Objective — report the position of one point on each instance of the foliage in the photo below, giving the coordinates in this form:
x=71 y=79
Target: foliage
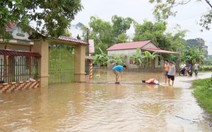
x=206 y=20
x=164 y=40
x=208 y=60
x=197 y=43
x=165 y=8
x=101 y=32
x=106 y=33
x=193 y=55
x=120 y=25
x=206 y=68
x=122 y=38
x=101 y=58
x=138 y=57
x=67 y=33
x=203 y=93
x=150 y=31
x=117 y=60
x=176 y=43
x=51 y=16
x=149 y=55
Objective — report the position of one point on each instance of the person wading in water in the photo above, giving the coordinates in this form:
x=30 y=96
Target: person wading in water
x=117 y=71
x=171 y=73
x=166 y=70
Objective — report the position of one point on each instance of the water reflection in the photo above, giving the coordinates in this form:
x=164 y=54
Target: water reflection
x=103 y=107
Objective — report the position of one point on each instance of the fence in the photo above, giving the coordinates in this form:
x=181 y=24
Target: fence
x=16 y=66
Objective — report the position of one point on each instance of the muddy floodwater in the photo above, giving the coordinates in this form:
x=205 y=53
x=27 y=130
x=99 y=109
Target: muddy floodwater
x=106 y=107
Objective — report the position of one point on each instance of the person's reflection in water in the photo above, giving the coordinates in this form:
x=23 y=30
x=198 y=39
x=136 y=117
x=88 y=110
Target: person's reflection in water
x=152 y=86
x=168 y=91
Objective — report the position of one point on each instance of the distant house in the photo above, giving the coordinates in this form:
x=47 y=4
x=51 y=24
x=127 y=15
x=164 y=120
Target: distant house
x=129 y=49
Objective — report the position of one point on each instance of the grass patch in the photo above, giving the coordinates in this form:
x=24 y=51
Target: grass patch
x=203 y=93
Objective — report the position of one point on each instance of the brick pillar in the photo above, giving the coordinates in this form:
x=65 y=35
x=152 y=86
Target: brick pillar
x=79 y=63
x=42 y=47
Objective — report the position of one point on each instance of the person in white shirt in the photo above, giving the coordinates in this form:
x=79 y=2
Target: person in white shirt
x=171 y=73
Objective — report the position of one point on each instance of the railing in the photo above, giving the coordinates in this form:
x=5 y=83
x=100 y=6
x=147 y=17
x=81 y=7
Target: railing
x=18 y=68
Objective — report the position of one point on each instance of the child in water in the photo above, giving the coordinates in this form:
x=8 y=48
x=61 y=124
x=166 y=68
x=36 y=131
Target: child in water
x=151 y=81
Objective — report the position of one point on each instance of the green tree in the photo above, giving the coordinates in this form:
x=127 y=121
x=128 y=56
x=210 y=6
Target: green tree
x=165 y=8
x=175 y=42
x=149 y=57
x=197 y=43
x=117 y=60
x=101 y=32
x=156 y=32
x=149 y=31
x=51 y=16
x=122 y=38
x=193 y=55
x=138 y=57
x=100 y=58
x=106 y=33
x=120 y=26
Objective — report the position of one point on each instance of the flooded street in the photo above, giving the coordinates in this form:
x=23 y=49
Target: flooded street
x=106 y=107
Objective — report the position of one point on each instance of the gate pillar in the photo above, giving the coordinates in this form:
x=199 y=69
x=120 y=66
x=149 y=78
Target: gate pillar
x=79 y=64
x=42 y=47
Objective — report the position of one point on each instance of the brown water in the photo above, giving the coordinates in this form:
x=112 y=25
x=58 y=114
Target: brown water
x=105 y=107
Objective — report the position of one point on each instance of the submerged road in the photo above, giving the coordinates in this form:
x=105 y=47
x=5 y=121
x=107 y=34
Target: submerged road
x=106 y=107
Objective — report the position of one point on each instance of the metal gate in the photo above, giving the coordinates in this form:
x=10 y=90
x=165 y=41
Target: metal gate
x=61 y=63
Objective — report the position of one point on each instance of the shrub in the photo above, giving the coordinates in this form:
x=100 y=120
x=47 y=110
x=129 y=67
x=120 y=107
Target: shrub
x=203 y=93
x=206 y=68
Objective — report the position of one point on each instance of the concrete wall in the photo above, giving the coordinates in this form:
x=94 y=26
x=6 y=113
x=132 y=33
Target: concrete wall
x=124 y=52
x=149 y=46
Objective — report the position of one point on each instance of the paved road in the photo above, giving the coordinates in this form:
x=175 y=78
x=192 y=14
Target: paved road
x=185 y=81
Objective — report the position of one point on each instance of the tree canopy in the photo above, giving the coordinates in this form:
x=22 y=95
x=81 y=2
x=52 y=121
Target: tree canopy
x=149 y=30
x=107 y=33
x=165 y=8
x=120 y=26
x=52 y=17
x=156 y=32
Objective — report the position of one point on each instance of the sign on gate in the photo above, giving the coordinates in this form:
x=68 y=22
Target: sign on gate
x=91 y=46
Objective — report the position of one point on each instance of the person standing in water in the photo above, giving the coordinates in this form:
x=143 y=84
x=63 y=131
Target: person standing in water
x=171 y=73
x=166 y=70
x=117 y=71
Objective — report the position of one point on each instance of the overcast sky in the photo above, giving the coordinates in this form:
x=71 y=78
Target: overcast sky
x=187 y=16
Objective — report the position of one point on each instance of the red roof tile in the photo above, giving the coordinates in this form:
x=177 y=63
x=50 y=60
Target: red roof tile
x=18 y=53
x=139 y=44
x=65 y=38
x=129 y=45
